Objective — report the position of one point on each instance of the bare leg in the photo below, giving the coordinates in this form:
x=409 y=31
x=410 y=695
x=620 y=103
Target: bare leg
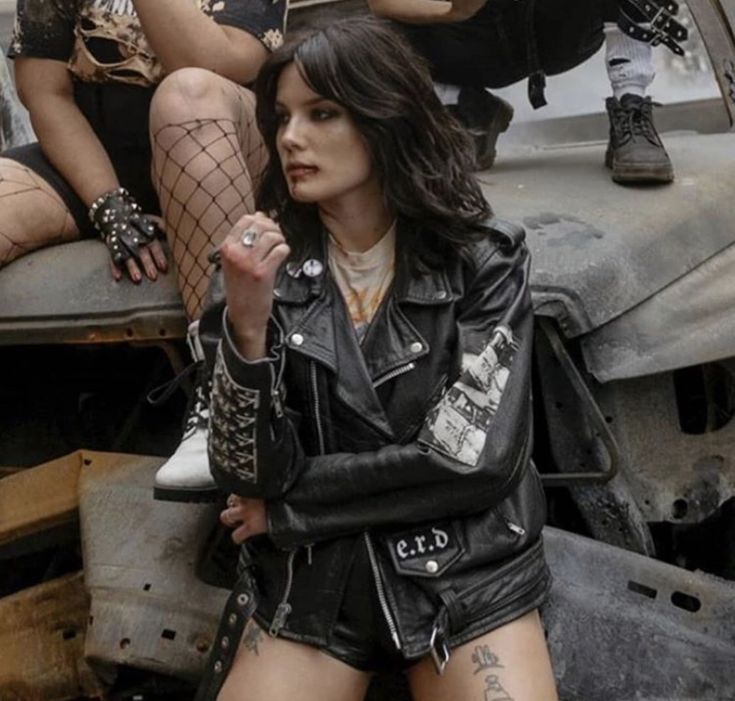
x=280 y=670
x=510 y=663
x=207 y=157
x=32 y=214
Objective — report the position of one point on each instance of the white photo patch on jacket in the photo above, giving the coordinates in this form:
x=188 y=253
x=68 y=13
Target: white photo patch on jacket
x=232 y=439
x=426 y=551
x=458 y=425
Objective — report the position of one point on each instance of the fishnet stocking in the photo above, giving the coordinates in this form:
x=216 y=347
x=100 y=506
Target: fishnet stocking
x=32 y=214
x=206 y=172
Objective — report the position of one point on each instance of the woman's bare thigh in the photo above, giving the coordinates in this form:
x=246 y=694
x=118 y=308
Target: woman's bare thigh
x=280 y=670
x=510 y=663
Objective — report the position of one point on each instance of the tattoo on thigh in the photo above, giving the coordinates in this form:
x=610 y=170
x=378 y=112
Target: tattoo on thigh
x=252 y=637
x=484 y=658
x=494 y=690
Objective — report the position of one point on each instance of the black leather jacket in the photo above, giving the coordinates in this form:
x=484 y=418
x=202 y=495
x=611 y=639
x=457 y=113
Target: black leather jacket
x=417 y=442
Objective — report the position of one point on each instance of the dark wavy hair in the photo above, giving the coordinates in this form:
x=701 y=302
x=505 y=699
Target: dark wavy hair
x=421 y=154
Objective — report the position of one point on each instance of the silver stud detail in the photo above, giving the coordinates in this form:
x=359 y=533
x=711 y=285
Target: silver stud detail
x=441 y=294
x=416 y=347
x=312 y=267
x=242 y=599
x=432 y=566
x=225 y=643
x=217 y=667
x=232 y=619
x=293 y=269
x=297 y=339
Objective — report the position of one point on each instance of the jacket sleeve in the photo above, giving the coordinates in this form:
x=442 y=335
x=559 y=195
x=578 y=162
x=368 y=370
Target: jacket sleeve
x=472 y=446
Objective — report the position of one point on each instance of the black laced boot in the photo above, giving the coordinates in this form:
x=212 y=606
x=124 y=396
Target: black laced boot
x=485 y=116
x=635 y=152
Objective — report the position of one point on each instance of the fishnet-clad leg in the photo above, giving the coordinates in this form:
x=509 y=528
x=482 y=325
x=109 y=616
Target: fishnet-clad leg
x=32 y=214
x=207 y=157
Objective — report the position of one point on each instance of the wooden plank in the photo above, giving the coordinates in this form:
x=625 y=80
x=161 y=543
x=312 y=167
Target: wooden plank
x=42 y=643
x=39 y=498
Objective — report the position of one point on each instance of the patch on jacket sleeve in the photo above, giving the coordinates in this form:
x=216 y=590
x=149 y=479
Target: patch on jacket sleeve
x=232 y=425
x=458 y=425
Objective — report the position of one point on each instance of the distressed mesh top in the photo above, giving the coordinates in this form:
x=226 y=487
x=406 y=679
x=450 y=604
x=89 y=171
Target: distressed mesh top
x=103 y=41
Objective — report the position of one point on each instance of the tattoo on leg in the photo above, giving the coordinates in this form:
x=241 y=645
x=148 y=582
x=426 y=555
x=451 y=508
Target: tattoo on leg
x=494 y=690
x=252 y=637
x=484 y=658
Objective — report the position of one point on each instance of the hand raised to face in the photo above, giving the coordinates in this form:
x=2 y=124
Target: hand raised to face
x=251 y=254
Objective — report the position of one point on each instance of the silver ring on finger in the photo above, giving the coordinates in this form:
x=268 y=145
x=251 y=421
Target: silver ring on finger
x=249 y=237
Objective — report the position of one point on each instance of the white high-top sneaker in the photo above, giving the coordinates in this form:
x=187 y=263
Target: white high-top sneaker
x=185 y=476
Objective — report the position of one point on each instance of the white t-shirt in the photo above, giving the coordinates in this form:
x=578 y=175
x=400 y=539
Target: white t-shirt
x=364 y=277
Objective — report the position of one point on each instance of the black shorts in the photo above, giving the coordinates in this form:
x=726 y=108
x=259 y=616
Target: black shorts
x=361 y=637
x=118 y=115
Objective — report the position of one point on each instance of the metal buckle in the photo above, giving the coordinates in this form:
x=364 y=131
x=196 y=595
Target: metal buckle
x=439 y=650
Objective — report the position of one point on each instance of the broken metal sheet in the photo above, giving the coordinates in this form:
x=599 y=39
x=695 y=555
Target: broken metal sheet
x=42 y=643
x=148 y=608
x=600 y=249
x=692 y=321
x=625 y=627
x=712 y=18
x=674 y=476
x=81 y=303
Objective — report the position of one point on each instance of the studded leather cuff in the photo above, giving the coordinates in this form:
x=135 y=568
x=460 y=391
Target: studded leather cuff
x=122 y=225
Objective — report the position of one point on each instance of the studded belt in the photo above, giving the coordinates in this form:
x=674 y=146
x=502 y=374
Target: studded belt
x=240 y=606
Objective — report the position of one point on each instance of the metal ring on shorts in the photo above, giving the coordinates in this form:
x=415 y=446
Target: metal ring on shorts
x=249 y=237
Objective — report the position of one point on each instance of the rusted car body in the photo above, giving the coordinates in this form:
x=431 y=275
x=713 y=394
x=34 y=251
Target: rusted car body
x=106 y=593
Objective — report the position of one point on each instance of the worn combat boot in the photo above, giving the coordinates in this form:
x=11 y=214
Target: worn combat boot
x=635 y=152
x=185 y=476
x=485 y=116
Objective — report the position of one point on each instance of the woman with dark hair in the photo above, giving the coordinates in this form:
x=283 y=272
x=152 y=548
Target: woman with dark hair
x=370 y=409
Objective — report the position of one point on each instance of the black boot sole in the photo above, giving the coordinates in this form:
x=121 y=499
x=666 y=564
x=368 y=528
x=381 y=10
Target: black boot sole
x=642 y=173
x=188 y=496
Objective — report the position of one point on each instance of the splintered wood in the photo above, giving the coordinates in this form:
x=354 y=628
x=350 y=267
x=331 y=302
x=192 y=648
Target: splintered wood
x=42 y=643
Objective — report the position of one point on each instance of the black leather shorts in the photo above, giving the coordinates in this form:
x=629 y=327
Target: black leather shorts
x=362 y=639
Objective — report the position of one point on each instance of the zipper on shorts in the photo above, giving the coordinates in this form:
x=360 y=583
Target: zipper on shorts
x=380 y=589
x=284 y=608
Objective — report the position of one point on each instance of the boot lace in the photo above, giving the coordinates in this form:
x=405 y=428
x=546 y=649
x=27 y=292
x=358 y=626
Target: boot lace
x=198 y=415
x=636 y=122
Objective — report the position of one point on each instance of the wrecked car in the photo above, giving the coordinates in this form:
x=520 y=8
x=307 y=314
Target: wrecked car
x=106 y=593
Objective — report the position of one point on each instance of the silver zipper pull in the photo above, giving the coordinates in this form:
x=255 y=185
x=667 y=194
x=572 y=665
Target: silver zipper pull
x=277 y=405
x=279 y=620
x=308 y=554
x=518 y=530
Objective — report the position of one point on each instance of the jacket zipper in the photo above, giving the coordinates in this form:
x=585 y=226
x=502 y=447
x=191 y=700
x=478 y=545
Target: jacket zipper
x=514 y=527
x=394 y=373
x=382 y=599
x=317 y=417
x=284 y=608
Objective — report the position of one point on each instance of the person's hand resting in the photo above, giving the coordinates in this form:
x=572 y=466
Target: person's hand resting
x=130 y=236
x=246 y=516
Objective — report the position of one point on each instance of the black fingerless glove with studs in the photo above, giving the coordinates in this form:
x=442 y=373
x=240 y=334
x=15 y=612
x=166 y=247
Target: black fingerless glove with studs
x=122 y=225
